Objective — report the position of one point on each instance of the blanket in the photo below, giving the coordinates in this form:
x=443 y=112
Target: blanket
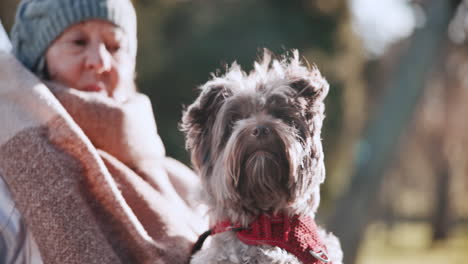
x=83 y=201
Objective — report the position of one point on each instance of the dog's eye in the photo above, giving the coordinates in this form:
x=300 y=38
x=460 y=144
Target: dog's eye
x=276 y=101
x=234 y=119
x=291 y=123
x=286 y=116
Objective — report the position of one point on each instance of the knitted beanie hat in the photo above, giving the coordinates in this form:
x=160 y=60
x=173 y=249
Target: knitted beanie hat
x=39 y=22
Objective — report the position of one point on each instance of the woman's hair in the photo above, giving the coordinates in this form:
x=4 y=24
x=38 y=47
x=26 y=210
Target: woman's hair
x=39 y=22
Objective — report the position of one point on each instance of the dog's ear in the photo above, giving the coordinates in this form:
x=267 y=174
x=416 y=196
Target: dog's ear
x=305 y=79
x=310 y=91
x=199 y=118
x=312 y=87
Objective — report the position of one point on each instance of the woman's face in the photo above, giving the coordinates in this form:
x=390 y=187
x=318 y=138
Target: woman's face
x=93 y=56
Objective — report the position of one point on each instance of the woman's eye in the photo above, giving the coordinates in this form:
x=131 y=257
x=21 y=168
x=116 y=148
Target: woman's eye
x=80 y=42
x=112 y=48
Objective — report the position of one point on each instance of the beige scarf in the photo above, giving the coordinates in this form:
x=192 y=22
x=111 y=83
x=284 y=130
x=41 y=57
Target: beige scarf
x=91 y=178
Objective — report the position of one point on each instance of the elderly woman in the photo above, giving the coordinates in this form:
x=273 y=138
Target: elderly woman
x=83 y=173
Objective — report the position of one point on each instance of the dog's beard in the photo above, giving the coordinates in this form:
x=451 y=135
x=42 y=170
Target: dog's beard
x=263 y=181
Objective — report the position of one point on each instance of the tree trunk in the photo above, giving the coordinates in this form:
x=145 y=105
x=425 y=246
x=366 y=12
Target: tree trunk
x=441 y=217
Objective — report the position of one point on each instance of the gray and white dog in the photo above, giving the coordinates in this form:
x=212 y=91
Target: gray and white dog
x=255 y=141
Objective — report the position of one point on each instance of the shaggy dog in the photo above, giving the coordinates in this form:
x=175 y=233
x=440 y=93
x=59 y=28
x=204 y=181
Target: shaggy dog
x=255 y=141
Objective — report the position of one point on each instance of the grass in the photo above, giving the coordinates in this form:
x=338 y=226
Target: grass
x=410 y=243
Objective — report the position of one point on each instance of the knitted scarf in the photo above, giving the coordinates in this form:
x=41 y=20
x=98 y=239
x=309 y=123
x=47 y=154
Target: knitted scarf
x=91 y=192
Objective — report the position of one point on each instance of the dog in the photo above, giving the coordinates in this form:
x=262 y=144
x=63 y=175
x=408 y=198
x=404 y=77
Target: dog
x=255 y=141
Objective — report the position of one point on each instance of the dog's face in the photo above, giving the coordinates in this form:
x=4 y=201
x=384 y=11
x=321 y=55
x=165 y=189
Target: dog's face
x=255 y=139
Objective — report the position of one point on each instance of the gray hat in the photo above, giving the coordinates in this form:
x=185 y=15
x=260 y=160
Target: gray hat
x=39 y=22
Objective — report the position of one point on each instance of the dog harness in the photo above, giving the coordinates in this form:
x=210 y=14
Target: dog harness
x=297 y=234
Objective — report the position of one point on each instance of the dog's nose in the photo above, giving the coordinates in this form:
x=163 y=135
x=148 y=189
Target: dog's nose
x=261 y=131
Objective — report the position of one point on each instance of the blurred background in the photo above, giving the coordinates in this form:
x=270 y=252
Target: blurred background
x=396 y=133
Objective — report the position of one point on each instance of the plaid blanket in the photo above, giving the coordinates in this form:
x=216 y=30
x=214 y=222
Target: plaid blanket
x=83 y=204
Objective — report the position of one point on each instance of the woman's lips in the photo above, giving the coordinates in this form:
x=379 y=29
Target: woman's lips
x=93 y=88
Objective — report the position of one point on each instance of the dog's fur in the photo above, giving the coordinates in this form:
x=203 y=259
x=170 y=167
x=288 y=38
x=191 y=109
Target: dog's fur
x=255 y=140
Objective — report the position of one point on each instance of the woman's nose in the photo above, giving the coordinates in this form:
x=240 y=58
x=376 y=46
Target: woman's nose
x=98 y=58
